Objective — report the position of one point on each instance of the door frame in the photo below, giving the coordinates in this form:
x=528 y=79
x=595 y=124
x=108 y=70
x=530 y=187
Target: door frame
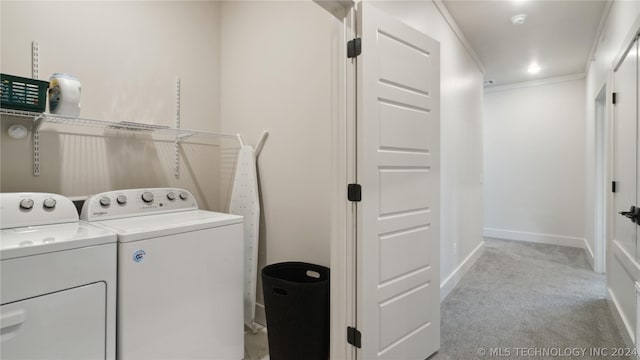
x=343 y=160
x=600 y=166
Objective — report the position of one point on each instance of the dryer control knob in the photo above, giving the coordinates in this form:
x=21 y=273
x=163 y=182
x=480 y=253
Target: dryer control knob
x=26 y=204
x=121 y=199
x=184 y=195
x=49 y=203
x=105 y=201
x=147 y=197
x=171 y=195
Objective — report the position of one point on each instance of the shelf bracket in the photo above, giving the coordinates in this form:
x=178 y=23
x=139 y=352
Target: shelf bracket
x=179 y=138
x=37 y=122
x=182 y=137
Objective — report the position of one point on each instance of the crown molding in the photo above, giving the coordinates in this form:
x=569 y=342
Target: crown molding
x=465 y=43
x=532 y=83
x=597 y=38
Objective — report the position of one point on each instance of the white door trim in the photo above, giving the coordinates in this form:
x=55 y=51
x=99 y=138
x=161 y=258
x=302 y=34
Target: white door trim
x=600 y=200
x=342 y=285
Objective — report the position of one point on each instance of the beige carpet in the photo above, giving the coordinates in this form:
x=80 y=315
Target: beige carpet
x=529 y=301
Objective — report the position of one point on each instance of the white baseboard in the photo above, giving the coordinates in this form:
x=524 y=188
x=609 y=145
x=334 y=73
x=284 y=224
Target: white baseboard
x=589 y=253
x=621 y=322
x=561 y=240
x=452 y=280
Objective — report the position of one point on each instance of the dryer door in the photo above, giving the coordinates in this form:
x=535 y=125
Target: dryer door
x=68 y=324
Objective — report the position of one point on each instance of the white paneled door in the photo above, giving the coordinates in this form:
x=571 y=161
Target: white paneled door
x=398 y=166
x=626 y=152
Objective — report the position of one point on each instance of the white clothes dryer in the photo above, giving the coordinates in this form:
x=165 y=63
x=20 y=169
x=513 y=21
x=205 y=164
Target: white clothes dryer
x=57 y=281
x=180 y=273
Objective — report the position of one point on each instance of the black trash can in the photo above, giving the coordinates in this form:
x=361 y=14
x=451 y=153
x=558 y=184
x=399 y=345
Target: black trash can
x=296 y=301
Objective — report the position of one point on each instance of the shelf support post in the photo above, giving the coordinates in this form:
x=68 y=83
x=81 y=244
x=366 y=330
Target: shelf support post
x=179 y=138
x=35 y=133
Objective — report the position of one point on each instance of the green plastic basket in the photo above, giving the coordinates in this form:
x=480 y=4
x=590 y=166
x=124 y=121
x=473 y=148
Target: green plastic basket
x=21 y=93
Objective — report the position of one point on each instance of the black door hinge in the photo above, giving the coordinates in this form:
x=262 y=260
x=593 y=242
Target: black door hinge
x=354 y=48
x=614 y=98
x=354 y=337
x=354 y=192
x=613 y=186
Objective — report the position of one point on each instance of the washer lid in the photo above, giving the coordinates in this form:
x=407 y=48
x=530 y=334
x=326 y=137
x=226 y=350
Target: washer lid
x=150 y=226
x=34 y=240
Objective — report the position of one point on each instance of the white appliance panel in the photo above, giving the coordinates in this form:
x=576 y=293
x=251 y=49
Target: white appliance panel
x=30 y=209
x=137 y=202
x=146 y=227
x=180 y=296
x=33 y=240
x=31 y=276
x=67 y=325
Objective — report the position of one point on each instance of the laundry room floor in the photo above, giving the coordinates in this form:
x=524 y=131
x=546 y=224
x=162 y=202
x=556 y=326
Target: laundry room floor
x=256 y=345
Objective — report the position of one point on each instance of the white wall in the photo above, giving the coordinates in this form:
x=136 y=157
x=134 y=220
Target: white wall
x=621 y=270
x=278 y=74
x=460 y=138
x=127 y=56
x=534 y=163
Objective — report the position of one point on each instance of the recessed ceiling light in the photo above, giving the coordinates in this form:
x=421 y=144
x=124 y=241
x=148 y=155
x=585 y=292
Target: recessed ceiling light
x=518 y=19
x=534 y=69
x=489 y=82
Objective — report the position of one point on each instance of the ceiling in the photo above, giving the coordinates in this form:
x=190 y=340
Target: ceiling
x=557 y=35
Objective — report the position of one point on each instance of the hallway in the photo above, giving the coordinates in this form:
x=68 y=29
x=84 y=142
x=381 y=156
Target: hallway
x=521 y=299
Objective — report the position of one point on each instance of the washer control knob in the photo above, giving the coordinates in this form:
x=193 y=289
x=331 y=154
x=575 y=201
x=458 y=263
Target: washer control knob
x=171 y=195
x=121 y=199
x=49 y=203
x=184 y=195
x=26 y=204
x=105 y=201
x=147 y=197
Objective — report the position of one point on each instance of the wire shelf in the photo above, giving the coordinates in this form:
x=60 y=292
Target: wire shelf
x=42 y=118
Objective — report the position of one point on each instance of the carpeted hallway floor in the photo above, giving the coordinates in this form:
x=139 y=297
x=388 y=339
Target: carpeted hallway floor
x=529 y=301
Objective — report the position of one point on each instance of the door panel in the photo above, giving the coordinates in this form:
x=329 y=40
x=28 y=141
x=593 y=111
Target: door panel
x=413 y=75
x=403 y=127
x=630 y=107
x=401 y=252
x=393 y=312
x=403 y=190
x=625 y=150
x=398 y=308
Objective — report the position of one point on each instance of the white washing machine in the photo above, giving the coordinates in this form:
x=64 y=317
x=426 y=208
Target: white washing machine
x=180 y=275
x=57 y=281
